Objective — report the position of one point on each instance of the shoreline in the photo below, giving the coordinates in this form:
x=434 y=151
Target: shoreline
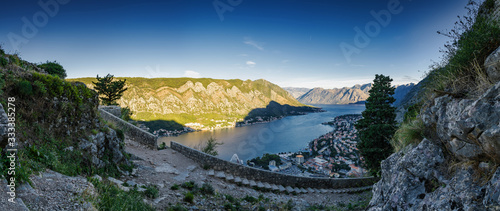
x=257 y=120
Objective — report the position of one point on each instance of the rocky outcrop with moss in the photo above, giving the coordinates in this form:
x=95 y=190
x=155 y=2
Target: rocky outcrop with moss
x=57 y=127
x=455 y=167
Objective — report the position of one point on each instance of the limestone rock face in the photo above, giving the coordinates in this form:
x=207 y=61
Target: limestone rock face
x=3 y=124
x=102 y=144
x=469 y=129
x=422 y=178
x=492 y=64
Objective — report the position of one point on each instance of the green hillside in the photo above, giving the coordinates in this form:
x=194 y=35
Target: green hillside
x=201 y=103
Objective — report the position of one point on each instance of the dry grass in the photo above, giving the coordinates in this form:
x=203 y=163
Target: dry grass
x=410 y=132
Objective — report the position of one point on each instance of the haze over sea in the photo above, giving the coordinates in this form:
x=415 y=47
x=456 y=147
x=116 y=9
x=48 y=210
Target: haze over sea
x=289 y=134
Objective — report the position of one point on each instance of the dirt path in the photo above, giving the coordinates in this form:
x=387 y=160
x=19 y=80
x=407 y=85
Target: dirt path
x=165 y=168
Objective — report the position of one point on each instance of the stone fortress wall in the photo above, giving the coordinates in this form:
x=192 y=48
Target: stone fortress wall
x=133 y=132
x=255 y=174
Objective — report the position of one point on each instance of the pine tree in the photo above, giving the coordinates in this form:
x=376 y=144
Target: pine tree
x=378 y=124
x=109 y=91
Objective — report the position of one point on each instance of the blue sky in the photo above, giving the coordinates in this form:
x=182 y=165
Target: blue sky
x=290 y=43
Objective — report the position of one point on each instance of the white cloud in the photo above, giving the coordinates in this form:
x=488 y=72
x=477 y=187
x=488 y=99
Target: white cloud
x=251 y=64
x=191 y=74
x=253 y=43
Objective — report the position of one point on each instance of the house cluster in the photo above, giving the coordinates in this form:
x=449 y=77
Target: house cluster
x=335 y=154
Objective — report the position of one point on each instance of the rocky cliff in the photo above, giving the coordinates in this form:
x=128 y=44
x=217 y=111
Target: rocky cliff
x=455 y=167
x=199 y=103
x=345 y=95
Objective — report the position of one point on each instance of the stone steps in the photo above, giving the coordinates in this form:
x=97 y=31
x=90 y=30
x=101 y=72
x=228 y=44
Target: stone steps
x=280 y=188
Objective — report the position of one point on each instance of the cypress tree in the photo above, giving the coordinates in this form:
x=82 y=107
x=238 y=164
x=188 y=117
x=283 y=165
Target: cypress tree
x=378 y=124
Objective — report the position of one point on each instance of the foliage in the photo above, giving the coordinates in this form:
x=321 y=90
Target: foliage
x=151 y=191
x=210 y=146
x=162 y=146
x=24 y=88
x=378 y=124
x=54 y=68
x=191 y=185
x=174 y=187
x=126 y=113
x=109 y=90
x=266 y=158
x=472 y=39
x=207 y=189
x=14 y=59
x=250 y=199
x=410 y=131
x=120 y=134
x=189 y=197
x=3 y=61
x=113 y=198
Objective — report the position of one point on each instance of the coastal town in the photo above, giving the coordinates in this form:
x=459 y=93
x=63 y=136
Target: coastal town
x=334 y=154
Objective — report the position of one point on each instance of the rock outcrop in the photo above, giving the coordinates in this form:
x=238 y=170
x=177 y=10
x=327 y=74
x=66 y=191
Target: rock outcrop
x=346 y=95
x=456 y=167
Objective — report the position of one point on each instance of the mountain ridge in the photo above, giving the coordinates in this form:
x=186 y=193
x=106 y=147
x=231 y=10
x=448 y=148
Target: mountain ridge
x=200 y=103
x=345 y=95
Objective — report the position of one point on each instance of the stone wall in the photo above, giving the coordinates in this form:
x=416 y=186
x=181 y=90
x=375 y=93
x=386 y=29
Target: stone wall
x=255 y=174
x=133 y=132
x=115 y=110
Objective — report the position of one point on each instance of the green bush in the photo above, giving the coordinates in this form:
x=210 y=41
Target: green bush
x=14 y=59
x=126 y=113
x=189 y=197
x=207 y=189
x=3 y=61
x=24 y=88
x=40 y=87
x=151 y=191
x=191 y=185
x=174 y=187
x=250 y=199
x=162 y=146
x=120 y=134
x=54 y=68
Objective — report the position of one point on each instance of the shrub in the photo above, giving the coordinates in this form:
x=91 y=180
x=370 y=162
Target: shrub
x=3 y=61
x=189 y=197
x=191 y=185
x=14 y=59
x=24 y=88
x=230 y=198
x=207 y=189
x=54 y=68
x=162 y=146
x=120 y=134
x=126 y=113
x=228 y=206
x=151 y=191
x=40 y=88
x=250 y=199
x=174 y=187
x=210 y=146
